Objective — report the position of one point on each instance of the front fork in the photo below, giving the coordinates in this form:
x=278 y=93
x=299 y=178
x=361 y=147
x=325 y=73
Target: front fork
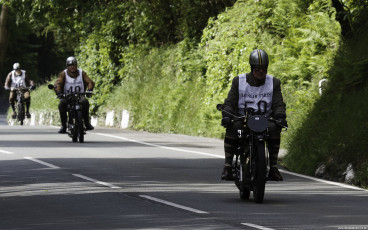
x=240 y=163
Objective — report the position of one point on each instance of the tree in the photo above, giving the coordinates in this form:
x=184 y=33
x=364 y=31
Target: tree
x=3 y=33
x=342 y=17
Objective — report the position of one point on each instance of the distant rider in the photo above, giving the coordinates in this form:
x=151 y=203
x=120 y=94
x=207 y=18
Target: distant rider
x=16 y=79
x=247 y=91
x=68 y=80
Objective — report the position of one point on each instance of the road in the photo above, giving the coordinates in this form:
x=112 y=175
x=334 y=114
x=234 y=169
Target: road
x=121 y=179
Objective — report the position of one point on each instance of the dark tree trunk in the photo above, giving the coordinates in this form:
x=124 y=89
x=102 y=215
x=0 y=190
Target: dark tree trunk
x=3 y=33
x=342 y=18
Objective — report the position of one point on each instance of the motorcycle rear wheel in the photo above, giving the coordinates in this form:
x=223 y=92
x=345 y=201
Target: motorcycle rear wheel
x=261 y=169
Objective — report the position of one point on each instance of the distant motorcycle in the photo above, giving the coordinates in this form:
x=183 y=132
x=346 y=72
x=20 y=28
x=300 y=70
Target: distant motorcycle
x=251 y=166
x=20 y=102
x=75 y=128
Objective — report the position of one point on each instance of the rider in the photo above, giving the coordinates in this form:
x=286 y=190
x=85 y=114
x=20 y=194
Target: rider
x=70 y=79
x=16 y=79
x=247 y=90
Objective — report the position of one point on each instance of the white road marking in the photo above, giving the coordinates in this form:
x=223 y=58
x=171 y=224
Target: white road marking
x=325 y=181
x=173 y=204
x=97 y=181
x=159 y=146
x=6 y=152
x=217 y=156
x=256 y=226
x=42 y=162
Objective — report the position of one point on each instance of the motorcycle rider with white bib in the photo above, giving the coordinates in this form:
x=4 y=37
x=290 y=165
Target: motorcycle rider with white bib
x=262 y=93
x=73 y=79
x=16 y=79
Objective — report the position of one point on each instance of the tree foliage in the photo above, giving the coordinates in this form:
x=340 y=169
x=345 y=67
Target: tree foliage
x=336 y=125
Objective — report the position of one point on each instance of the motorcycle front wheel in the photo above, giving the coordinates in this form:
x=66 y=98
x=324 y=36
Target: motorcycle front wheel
x=244 y=191
x=21 y=114
x=79 y=126
x=261 y=169
x=73 y=130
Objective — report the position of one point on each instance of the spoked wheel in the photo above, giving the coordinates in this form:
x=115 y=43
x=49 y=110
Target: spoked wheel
x=79 y=126
x=73 y=130
x=260 y=177
x=244 y=191
x=20 y=113
x=74 y=135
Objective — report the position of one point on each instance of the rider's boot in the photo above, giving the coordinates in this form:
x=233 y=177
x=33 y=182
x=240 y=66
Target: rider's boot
x=273 y=148
x=230 y=146
x=14 y=115
x=227 y=173
x=28 y=115
x=274 y=174
x=63 y=119
x=87 y=123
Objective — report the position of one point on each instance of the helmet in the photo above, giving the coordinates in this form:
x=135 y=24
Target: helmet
x=16 y=66
x=71 y=61
x=258 y=57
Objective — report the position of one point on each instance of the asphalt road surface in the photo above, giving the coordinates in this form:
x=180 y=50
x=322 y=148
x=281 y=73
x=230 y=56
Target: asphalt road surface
x=121 y=179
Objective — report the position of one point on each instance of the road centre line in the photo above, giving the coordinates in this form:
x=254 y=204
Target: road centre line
x=143 y=196
x=6 y=152
x=173 y=204
x=96 y=181
x=159 y=146
x=217 y=156
x=42 y=162
x=256 y=226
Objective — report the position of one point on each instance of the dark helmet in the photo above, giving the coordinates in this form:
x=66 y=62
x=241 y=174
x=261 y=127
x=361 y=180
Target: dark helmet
x=71 y=61
x=258 y=58
x=16 y=66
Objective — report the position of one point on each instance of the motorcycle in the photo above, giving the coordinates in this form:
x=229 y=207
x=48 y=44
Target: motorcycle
x=75 y=128
x=20 y=102
x=251 y=165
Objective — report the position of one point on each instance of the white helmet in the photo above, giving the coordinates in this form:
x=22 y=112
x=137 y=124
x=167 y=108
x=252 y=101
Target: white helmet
x=71 y=61
x=16 y=66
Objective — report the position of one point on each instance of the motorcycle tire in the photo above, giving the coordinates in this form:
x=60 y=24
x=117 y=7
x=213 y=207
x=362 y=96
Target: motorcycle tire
x=20 y=113
x=75 y=136
x=261 y=169
x=73 y=130
x=79 y=126
x=244 y=191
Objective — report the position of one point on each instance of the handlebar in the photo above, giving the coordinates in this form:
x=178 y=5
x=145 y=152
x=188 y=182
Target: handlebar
x=64 y=95
x=87 y=93
x=220 y=107
x=20 y=88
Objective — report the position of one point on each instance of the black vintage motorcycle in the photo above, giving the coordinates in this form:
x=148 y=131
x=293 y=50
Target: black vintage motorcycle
x=20 y=103
x=251 y=166
x=75 y=127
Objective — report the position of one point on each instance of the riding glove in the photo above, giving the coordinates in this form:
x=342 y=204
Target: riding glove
x=89 y=93
x=59 y=95
x=281 y=118
x=226 y=121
